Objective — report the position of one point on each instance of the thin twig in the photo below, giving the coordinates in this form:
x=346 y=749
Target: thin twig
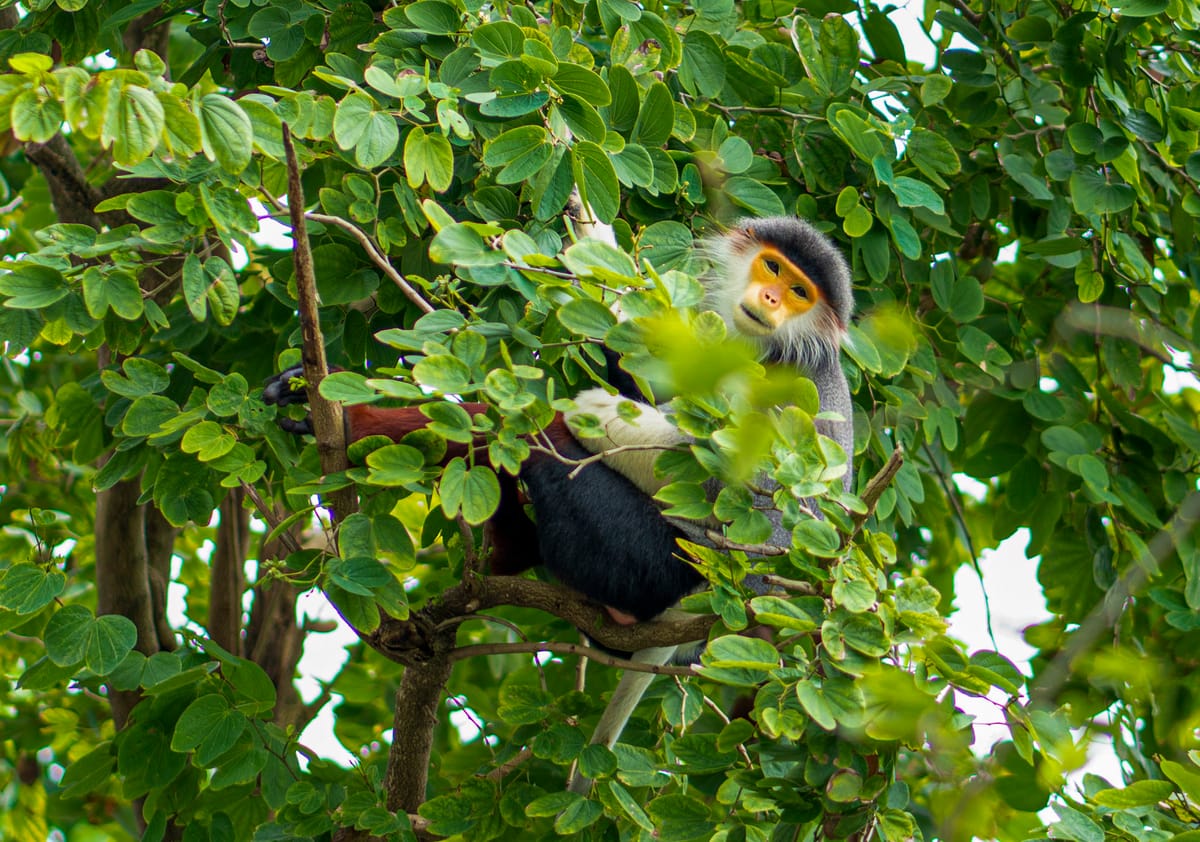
x=960 y=519
x=806 y=588
x=369 y=246
x=720 y=713
x=580 y=464
x=720 y=542
x=273 y=520
x=377 y=257
x=503 y=770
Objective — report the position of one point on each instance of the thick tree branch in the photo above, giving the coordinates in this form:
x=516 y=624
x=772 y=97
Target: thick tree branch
x=590 y=652
x=418 y=703
x=274 y=640
x=228 y=579
x=414 y=641
x=122 y=575
x=327 y=419
x=1107 y=612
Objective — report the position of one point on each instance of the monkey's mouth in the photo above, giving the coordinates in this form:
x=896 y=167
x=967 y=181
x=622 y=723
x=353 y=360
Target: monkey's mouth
x=750 y=322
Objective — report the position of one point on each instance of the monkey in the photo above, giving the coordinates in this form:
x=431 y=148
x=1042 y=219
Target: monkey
x=778 y=283
x=785 y=287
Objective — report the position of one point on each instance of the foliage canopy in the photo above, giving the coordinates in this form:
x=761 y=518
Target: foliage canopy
x=1021 y=220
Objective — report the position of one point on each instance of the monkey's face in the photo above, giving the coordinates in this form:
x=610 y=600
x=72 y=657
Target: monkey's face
x=777 y=291
x=782 y=285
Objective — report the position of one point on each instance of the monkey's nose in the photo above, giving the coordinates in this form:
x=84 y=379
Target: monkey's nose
x=771 y=297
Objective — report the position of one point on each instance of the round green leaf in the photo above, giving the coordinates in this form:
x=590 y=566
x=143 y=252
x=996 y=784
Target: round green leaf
x=135 y=123
x=378 y=141
x=26 y=588
x=210 y=726
x=226 y=134
x=586 y=317
x=596 y=179
x=36 y=117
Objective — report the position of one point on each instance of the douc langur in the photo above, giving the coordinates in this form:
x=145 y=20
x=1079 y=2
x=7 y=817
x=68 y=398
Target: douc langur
x=782 y=285
x=777 y=282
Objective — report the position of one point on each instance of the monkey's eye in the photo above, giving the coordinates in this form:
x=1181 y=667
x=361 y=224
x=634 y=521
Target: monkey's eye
x=772 y=266
x=800 y=291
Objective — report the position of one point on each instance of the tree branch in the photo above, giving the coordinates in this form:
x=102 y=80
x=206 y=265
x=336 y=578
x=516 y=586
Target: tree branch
x=591 y=652
x=328 y=424
x=228 y=579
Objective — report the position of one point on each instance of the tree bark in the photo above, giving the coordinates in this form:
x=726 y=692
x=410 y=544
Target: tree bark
x=228 y=580
x=418 y=703
x=122 y=575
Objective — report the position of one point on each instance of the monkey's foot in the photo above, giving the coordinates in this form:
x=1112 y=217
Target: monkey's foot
x=620 y=617
x=284 y=389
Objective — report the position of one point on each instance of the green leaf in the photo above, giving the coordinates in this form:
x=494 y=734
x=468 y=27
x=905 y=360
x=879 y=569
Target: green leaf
x=753 y=196
x=591 y=258
x=911 y=193
x=586 y=317
x=90 y=772
x=148 y=414
x=133 y=124
x=830 y=56
x=396 y=465
x=702 y=70
x=1187 y=779
x=1065 y=440
x=933 y=155
x=74 y=635
x=26 y=588
x=630 y=806
x=634 y=166
x=499 y=40
x=666 y=244
x=1073 y=824
x=444 y=373
x=1092 y=192
x=226 y=133
x=359 y=575
x=208 y=440
x=521 y=152
x=434 y=17
x=596 y=179
x=812 y=699
x=578 y=81
x=31 y=286
x=583 y=119
x=817 y=537
x=1141 y=8
x=378 y=142
x=1136 y=794
x=227 y=397
x=462 y=245
x=480 y=494
x=656 y=118
x=36 y=117
x=351 y=119
x=428 y=158
x=115 y=290
x=736 y=155
x=210 y=726
x=884 y=37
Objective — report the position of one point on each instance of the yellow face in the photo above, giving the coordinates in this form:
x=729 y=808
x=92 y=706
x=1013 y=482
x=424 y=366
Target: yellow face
x=776 y=291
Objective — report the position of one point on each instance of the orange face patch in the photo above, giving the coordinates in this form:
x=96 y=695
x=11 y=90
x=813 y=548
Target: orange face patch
x=776 y=291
